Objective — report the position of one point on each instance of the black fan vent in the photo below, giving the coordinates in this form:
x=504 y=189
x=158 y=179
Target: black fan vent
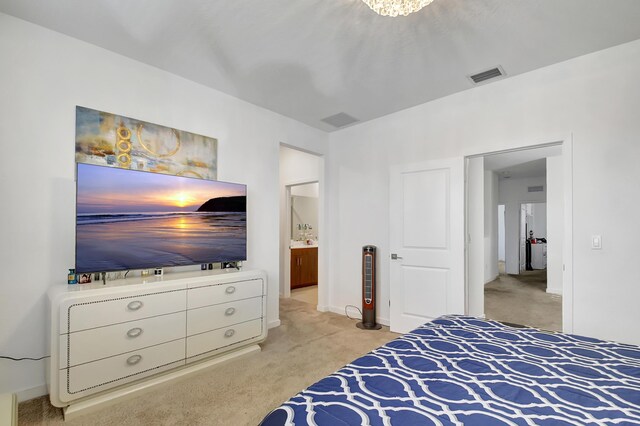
x=486 y=75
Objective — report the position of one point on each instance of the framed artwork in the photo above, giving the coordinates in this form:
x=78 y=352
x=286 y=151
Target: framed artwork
x=84 y=279
x=113 y=140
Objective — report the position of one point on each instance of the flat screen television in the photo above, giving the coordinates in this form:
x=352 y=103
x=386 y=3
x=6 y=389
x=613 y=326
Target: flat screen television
x=129 y=219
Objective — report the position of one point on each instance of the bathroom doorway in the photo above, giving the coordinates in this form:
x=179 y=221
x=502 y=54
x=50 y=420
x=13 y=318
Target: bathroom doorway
x=302 y=228
x=303 y=266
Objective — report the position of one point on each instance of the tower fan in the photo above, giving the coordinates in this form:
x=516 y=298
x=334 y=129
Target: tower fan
x=369 y=289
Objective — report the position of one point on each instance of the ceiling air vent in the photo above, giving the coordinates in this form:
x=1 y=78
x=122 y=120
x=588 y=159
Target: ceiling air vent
x=340 y=119
x=535 y=188
x=483 y=76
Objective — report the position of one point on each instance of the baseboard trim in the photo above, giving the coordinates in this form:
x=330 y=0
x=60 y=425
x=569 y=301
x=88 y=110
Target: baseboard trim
x=273 y=324
x=8 y=409
x=322 y=308
x=557 y=291
x=116 y=395
x=31 y=393
x=336 y=310
x=383 y=321
x=492 y=279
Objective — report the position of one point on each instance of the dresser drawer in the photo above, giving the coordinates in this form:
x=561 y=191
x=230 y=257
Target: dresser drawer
x=103 y=342
x=217 y=316
x=114 y=371
x=86 y=315
x=217 y=339
x=222 y=293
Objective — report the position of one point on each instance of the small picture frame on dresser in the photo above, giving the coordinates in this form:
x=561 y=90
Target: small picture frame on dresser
x=84 y=278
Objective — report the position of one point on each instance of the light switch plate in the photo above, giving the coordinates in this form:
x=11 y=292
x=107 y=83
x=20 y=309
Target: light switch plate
x=596 y=242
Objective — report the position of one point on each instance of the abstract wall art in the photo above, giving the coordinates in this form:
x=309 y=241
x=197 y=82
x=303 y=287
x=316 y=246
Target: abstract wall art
x=113 y=140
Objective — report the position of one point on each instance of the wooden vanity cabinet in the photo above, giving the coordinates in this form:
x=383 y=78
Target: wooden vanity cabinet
x=304 y=267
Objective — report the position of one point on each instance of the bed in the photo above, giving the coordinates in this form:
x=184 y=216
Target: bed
x=464 y=370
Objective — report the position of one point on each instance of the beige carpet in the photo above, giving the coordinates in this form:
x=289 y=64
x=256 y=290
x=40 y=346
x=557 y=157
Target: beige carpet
x=306 y=294
x=306 y=347
x=522 y=299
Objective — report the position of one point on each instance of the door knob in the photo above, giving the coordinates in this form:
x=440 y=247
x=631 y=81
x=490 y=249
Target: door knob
x=395 y=256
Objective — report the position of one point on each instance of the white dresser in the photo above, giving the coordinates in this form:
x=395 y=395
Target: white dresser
x=110 y=340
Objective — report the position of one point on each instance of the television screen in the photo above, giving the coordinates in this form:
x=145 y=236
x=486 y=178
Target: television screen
x=129 y=219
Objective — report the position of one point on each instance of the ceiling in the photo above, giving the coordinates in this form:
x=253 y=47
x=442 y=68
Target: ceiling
x=531 y=169
x=525 y=163
x=311 y=59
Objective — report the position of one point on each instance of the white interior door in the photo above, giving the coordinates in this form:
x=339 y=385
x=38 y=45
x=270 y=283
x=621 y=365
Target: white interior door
x=523 y=237
x=476 y=250
x=427 y=241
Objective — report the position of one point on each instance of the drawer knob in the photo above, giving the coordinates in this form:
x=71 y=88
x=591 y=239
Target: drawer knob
x=134 y=359
x=230 y=311
x=229 y=333
x=135 y=305
x=230 y=290
x=134 y=332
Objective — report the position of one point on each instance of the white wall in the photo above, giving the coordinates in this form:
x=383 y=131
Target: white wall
x=304 y=211
x=304 y=207
x=592 y=99
x=43 y=77
x=308 y=190
x=298 y=167
x=555 y=224
x=490 y=226
x=501 y=225
x=539 y=225
x=513 y=193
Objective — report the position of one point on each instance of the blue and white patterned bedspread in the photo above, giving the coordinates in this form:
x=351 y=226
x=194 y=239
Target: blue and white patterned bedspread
x=463 y=370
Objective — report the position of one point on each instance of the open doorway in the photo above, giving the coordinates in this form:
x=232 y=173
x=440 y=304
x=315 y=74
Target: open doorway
x=302 y=228
x=303 y=220
x=509 y=210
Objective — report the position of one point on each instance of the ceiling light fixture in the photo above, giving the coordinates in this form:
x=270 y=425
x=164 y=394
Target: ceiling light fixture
x=396 y=7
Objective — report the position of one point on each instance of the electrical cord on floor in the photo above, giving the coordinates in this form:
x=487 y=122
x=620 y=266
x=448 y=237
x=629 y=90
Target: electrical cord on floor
x=125 y=274
x=25 y=358
x=352 y=306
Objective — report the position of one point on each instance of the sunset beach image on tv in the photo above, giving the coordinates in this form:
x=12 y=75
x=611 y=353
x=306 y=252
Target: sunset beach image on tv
x=127 y=219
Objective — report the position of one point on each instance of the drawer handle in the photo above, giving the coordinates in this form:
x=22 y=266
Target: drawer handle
x=134 y=359
x=134 y=332
x=230 y=290
x=229 y=333
x=230 y=311
x=135 y=305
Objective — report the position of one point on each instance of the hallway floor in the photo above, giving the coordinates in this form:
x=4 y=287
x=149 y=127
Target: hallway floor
x=306 y=294
x=522 y=299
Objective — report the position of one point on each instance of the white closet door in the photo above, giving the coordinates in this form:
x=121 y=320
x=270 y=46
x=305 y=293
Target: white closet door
x=427 y=239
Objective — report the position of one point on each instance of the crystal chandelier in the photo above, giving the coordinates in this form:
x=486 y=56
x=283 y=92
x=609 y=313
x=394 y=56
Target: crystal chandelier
x=396 y=7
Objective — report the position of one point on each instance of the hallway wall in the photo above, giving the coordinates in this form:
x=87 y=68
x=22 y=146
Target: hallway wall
x=490 y=225
x=501 y=248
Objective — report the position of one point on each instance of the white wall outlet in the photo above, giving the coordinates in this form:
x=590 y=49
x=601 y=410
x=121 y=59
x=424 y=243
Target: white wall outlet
x=596 y=242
